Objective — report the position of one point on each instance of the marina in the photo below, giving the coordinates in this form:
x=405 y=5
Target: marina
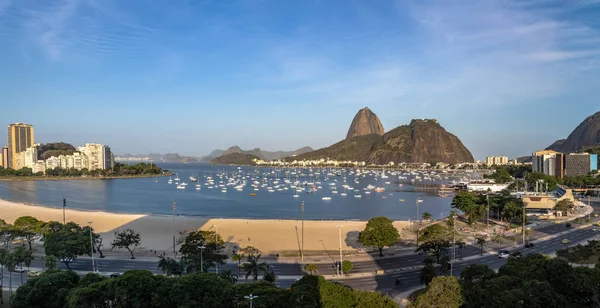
x=249 y=192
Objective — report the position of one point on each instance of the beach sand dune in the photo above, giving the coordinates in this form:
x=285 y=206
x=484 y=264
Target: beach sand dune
x=269 y=236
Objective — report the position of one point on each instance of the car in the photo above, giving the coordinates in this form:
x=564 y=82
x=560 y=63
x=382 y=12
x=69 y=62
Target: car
x=566 y=241
x=504 y=254
x=33 y=274
x=529 y=245
x=20 y=270
x=595 y=229
x=115 y=275
x=517 y=254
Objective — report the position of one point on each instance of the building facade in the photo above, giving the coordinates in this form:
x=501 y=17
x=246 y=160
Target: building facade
x=99 y=156
x=31 y=157
x=548 y=162
x=20 y=138
x=496 y=160
x=580 y=163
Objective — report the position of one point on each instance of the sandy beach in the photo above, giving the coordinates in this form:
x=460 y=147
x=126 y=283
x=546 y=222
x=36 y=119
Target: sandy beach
x=269 y=236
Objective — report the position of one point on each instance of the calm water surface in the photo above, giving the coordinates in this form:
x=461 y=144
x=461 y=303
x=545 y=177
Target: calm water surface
x=146 y=196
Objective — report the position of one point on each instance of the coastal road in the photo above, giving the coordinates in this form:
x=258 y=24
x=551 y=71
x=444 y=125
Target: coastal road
x=296 y=269
x=410 y=278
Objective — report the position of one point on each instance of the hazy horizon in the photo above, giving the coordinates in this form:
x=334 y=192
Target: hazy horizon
x=505 y=77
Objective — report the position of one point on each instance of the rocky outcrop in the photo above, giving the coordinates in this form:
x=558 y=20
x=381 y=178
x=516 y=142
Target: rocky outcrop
x=365 y=122
x=587 y=134
x=422 y=141
x=266 y=155
x=235 y=159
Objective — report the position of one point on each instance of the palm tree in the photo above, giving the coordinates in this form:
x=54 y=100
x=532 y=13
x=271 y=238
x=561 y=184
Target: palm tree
x=311 y=268
x=461 y=245
x=227 y=275
x=170 y=266
x=426 y=216
x=480 y=241
x=11 y=263
x=254 y=268
x=238 y=257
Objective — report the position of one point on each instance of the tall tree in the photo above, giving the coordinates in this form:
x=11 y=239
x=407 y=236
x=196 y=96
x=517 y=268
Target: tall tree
x=67 y=242
x=128 y=239
x=311 y=269
x=435 y=240
x=441 y=292
x=23 y=256
x=30 y=228
x=480 y=242
x=379 y=232
x=467 y=202
x=255 y=268
x=426 y=216
x=3 y=261
x=210 y=255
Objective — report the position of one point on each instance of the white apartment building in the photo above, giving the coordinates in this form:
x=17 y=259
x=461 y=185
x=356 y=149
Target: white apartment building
x=39 y=166
x=52 y=162
x=99 y=156
x=547 y=162
x=31 y=157
x=496 y=160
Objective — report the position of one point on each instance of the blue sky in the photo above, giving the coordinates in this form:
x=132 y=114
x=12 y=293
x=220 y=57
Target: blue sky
x=506 y=76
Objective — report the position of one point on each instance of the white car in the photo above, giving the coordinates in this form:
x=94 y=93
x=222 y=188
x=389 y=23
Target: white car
x=504 y=254
x=595 y=229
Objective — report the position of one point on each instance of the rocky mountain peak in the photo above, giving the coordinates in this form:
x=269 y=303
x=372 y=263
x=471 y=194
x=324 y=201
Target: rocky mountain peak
x=365 y=122
x=586 y=134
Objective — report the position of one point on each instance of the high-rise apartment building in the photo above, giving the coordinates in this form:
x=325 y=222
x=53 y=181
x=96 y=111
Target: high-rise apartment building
x=4 y=157
x=548 y=162
x=580 y=163
x=20 y=138
x=99 y=156
x=496 y=160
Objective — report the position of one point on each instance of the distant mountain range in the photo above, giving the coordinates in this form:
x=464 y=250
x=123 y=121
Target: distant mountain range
x=167 y=158
x=264 y=155
x=421 y=141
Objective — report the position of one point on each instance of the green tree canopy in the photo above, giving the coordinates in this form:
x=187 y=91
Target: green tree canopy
x=379 y=232
x=128 y=239
x=30 y=227
x=467 y=202
x=435 y=240
x=67 y=242
x=211 y=253
x=441 y=292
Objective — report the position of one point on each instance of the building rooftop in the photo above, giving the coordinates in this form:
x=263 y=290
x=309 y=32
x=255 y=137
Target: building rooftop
x=545 y=152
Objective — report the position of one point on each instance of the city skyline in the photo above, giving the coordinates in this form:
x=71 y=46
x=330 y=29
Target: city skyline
x=169 y=76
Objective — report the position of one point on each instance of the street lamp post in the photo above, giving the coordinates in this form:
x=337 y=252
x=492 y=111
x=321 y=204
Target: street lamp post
x=302 y=248
x=341 y=257
x=488 y=213
x=250 y=297
x=92 y=247
x=173 y=216
x=201 y=260
x=64 y=207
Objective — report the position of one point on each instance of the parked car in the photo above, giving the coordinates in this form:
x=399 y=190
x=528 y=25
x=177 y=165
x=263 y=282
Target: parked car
x=517 y=254
x=33 y=274
x=504 y=254
x=529 y=245
x=566 y=241
x=115 y=275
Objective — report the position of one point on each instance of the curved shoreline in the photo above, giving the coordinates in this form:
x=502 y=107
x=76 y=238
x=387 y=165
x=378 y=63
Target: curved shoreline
x=268 y=235
x=80 y=178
